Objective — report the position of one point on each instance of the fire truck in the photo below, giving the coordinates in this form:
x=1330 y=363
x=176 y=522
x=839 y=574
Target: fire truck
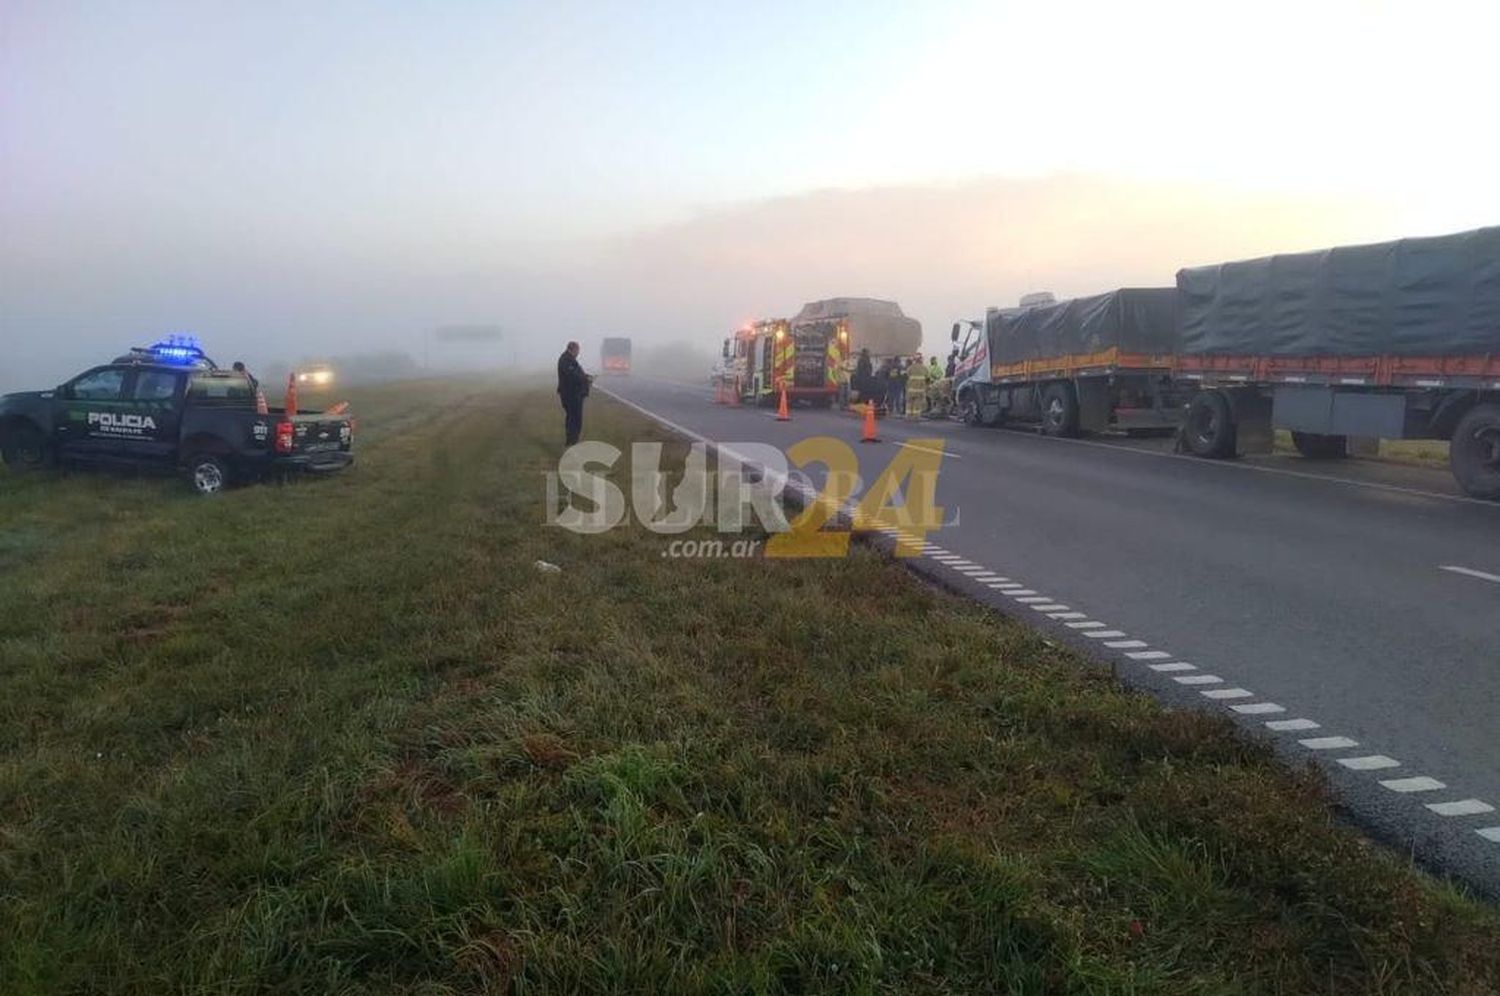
x=800 y=355
x=807 y=352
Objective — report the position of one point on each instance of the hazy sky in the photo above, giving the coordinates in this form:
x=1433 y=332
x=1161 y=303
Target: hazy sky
x=310 y=178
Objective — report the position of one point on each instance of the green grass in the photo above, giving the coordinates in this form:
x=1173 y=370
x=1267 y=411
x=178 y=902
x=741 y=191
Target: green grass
x=340 y=736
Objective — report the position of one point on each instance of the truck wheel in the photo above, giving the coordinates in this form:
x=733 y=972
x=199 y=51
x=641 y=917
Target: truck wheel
x=1316 y=446
x=968 y=408
x=1059 y=410
x=1208 y=429
x=1474 y=453
x=208 y=472
x=25 y=448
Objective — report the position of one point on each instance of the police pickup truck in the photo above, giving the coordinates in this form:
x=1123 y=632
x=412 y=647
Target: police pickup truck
x=168 y=406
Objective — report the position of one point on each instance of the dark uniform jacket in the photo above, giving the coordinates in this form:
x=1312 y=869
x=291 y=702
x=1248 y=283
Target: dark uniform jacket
x=572 y=382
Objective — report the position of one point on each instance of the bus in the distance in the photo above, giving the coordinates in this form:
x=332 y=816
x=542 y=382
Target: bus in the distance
x=614 y=355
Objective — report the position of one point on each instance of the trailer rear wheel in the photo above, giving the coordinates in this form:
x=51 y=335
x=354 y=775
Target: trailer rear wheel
x=1059 y=410
x=1316 y=446
x=1208 y=430
x=1474 y=453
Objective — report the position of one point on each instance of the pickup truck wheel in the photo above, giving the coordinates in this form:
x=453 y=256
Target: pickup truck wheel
x=1208 y=430
x=1316 y=446
x=1474 y=453
x=25 y=448
x=1059 y=411
x=209 y=473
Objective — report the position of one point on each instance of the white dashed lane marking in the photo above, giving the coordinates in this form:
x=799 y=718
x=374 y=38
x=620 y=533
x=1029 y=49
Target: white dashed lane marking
x=1328 y=743
x=1138 y=650
x=1421 y=783
x=1371 y=762
x=1461 y=807
x=945 y=454
x=1098 y=630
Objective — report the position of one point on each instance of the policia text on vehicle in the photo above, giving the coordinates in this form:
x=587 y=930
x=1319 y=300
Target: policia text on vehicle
x=168 y=406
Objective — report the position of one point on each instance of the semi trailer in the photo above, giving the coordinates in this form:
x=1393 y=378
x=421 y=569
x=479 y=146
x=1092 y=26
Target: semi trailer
x=1398 y=340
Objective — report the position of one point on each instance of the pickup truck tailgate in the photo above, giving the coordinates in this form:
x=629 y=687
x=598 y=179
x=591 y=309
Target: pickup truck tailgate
x=312 y=434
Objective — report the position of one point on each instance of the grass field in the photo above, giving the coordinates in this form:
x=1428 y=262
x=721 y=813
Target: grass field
x=340 y=736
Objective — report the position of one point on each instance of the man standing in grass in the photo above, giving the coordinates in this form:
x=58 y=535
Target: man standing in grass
x=572 y=388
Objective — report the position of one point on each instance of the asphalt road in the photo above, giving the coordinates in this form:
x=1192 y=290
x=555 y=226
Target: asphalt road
x=1310 y=602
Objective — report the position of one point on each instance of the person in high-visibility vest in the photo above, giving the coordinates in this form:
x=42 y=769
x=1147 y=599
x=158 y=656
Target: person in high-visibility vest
x=841 y=384
x=934 y=383
x=916 y=387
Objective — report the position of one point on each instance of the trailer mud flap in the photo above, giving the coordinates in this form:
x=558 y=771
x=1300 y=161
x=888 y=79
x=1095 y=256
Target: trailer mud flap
x=1094 y=406
x=1340 y=413
x=1252 y=421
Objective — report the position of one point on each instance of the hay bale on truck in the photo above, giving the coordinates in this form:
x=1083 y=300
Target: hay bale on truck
x=829 y=334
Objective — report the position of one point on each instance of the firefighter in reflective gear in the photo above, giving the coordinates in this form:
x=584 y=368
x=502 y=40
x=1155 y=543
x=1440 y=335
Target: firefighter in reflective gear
x=916 y=387
x=934 y=383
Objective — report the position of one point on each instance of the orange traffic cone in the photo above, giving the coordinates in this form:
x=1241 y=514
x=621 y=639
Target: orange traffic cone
x=782 y=413
x=261 y=408
x=869 y=435
x=291 y=394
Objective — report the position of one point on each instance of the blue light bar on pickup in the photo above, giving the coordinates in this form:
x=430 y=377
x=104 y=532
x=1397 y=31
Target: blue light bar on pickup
x=182 y=349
